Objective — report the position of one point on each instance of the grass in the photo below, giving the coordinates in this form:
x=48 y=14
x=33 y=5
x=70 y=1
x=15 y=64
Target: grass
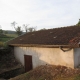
x=12 y=35
x=7 y=37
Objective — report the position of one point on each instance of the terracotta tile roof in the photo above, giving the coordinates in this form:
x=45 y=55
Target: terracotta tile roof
x=56 y=36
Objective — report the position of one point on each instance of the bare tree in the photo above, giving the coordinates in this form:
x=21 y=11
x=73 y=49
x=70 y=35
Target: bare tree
x=43 y=29
x=18 y=28
x=31 y=29
x=26 y=27
x=14 y=24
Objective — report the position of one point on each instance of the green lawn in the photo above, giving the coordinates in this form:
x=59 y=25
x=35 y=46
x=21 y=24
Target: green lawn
x=7 y=37
x=12 y=35
x=4 y=38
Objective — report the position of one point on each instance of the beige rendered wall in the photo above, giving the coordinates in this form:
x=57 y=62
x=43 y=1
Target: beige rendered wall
x=42 y=56
x=76 y=57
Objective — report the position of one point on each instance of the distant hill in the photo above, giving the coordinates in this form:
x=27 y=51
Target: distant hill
x=9 y=31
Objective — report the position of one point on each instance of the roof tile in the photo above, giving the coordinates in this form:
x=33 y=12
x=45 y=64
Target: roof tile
x=56 y=36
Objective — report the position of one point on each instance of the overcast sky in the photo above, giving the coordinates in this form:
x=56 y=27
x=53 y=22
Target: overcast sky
x=40 y=13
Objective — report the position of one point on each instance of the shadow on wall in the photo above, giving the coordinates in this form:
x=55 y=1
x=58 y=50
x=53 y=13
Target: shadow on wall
x=39 y=57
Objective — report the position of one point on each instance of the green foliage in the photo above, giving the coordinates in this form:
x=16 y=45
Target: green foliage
x=4 y=45
x=18 y=30
x=78 y=24
x=1 y=31
x=77 y=77
x=4 y=38
x=5 y=32
x=1 y=44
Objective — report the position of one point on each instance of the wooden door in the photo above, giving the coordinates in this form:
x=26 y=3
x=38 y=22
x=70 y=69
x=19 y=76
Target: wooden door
x=28 y=62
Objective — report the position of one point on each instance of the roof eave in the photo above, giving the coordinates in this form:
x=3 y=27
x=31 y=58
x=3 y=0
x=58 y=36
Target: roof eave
x=41 y=45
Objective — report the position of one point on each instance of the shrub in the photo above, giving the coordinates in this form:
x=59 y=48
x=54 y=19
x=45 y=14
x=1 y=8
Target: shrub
x=1 y=44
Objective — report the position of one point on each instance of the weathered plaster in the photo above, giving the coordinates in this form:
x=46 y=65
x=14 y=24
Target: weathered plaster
x=42 y=56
